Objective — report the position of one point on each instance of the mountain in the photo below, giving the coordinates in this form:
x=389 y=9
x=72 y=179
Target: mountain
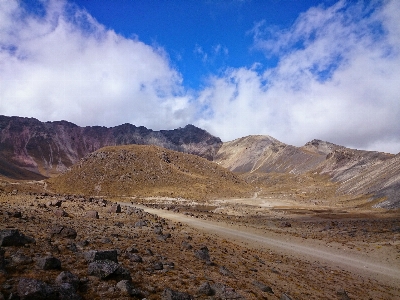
x=358 y=172
x=137 y=170
x=31 y=149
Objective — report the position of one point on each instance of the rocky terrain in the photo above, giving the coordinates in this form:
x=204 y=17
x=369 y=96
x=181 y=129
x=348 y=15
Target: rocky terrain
x=138 y=170
x=74 y=247
x=31 y=149
x=145 y=221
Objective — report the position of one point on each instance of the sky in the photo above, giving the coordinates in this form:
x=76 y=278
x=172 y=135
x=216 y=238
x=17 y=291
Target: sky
x=294 y=70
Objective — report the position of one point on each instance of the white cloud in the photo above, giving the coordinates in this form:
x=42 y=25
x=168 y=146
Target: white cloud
x=337 y=79
x=65 y=65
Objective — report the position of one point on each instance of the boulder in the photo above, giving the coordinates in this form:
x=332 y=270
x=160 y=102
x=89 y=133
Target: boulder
x=92 y=214
x=94 y=255
x=107 y=269
x=60 y=213
x=68 y=277
x=12 y=237
x=205 y=289
x=35 y=289
x=63 y=231
x=126 y=288
x=202 y=253
x=20 y=259
x=115 y=208
x=48 y=263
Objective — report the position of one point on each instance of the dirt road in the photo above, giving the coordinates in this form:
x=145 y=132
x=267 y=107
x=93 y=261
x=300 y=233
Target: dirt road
x=314 y=251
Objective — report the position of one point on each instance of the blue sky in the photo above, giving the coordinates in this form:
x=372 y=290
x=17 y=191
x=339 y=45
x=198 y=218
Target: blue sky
x=295 y=70
x=200 y=37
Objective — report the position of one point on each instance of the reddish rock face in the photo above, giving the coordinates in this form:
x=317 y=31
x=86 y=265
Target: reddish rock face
x=30 y=149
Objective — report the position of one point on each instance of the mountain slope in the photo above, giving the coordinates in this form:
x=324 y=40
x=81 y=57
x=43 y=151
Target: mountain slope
x=48 y=148
x=358 y=172
x=137 y=170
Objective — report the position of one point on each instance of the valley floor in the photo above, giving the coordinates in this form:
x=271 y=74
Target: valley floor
x=258 y=248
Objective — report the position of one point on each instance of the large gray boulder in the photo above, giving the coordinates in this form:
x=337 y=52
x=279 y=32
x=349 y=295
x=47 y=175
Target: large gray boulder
x=35 y=289
x=12 y=237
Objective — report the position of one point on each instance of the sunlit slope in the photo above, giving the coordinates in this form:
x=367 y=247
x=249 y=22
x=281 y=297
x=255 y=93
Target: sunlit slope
x=135 y=170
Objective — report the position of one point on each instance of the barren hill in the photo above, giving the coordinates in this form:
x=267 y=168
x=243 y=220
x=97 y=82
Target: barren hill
x=30 y=149
x=148 y=171
x=358 y=172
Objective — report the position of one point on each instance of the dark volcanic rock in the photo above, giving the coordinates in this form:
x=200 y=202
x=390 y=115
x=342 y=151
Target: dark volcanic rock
x=94 y=255
x=202 y=253
x=12 y=237
x=35 y=289
x=107 y=269
x=205 y=289
x=48 y=263
x=68 y=277
x=2 y=261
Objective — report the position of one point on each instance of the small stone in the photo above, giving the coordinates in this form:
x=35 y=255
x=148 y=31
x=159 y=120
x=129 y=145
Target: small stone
x=92 y=214
x=263 y=287
x=60 y=213
x=158 y=266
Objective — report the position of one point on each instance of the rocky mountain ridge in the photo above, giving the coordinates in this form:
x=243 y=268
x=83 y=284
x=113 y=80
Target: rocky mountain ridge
x=31 y=149
x=359 y=172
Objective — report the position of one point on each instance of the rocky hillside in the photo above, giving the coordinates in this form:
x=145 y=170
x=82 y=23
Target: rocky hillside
x=30 y=149
x=138 y=170
x=359 y=172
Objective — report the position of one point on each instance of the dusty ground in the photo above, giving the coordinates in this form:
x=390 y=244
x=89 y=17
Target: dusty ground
x=302 y=277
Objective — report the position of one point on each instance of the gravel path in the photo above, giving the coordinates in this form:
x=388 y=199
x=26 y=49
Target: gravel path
x=314 y=251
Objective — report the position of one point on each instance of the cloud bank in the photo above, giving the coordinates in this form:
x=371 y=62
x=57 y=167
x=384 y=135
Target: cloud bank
x=337 y=77
x=63 y=64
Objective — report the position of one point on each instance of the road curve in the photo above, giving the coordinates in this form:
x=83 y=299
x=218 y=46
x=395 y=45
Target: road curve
x=310 y=250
